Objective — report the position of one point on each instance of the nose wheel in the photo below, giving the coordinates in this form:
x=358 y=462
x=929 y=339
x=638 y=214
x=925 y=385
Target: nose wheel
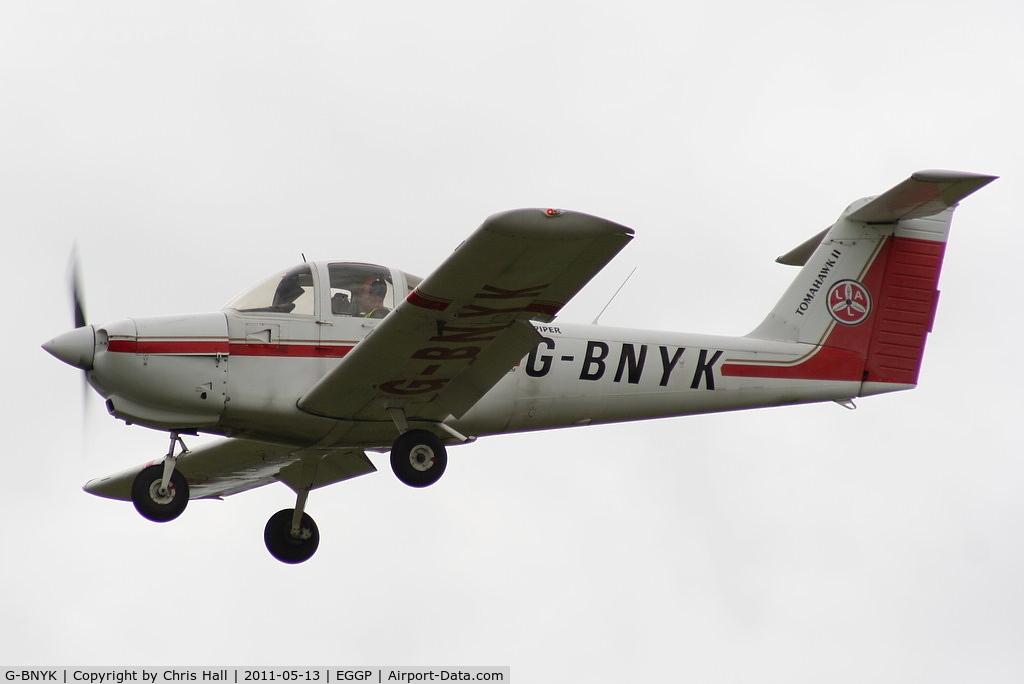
x=155 y=502
x=159 y=492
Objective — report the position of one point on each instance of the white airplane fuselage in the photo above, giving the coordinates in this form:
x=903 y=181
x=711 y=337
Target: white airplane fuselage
x=242 y=375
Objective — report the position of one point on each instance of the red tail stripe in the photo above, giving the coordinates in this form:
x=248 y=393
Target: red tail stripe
x=889 y=346
x=828 y=363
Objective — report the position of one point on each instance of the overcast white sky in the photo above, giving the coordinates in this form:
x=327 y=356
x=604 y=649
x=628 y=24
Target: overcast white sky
x=192 y=148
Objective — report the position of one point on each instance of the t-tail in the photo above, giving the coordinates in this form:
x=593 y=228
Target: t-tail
x=866 y=295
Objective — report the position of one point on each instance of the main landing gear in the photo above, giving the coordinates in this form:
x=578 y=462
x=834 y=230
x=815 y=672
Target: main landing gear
x=159 y=492
x=418 y=458
x=291 y=535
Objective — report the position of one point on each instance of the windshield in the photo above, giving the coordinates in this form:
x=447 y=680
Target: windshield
x=290 y=291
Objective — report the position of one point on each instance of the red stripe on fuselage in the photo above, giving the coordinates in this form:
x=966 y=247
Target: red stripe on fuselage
x=826 y=363
x=211 y=347
x=296 y=351
x=180 y=347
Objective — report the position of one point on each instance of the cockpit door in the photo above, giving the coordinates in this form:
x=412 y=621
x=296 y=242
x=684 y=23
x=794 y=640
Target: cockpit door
x=355 y=298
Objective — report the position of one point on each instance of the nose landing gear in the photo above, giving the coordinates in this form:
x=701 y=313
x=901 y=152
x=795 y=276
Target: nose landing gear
x=159 y=492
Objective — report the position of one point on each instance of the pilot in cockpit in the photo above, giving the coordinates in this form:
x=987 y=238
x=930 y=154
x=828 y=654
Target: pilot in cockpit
x=368 y=298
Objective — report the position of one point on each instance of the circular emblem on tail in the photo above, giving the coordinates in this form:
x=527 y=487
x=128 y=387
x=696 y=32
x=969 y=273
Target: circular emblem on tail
x=849 y=302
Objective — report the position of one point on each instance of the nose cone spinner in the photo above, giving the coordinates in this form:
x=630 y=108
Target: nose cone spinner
x=76 y=347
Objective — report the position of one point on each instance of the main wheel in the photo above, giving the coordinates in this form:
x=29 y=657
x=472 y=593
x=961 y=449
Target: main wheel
x=418 y=458
x=153 y=504
x=284 y=546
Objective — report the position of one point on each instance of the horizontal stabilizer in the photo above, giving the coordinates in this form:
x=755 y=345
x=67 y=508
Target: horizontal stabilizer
x=925 y=193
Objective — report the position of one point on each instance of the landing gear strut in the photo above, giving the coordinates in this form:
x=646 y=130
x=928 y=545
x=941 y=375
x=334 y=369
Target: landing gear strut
x=291 y=535
x=159 y=492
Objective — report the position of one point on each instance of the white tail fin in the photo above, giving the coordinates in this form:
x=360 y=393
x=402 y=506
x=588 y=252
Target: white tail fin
x=866 y=294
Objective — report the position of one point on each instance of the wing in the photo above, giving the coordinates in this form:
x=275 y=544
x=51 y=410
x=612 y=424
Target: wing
x=236 y=465
x=467 y=323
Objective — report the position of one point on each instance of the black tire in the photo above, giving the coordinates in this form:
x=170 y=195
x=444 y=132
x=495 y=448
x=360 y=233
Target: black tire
x=148 y=501
x=418 y=458
x=277 y=535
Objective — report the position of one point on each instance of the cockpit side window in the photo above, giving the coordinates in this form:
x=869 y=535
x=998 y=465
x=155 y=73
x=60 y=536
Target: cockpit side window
x=360 y=290
x=289 y=292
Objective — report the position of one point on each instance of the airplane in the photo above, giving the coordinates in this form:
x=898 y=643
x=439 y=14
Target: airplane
x=313 y=367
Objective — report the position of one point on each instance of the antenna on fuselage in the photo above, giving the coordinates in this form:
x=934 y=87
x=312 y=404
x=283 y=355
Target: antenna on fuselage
x=601 y=312
x=303 y=255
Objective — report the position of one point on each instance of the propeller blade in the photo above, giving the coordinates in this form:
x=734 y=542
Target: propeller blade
x=77 y=298
x=78 y=311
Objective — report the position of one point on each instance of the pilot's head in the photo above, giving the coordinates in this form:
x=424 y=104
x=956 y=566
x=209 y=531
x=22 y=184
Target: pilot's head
x=372 y=287
x=378 y=288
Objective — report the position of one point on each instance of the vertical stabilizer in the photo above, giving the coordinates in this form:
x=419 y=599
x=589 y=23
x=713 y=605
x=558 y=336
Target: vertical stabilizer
x=866 y=294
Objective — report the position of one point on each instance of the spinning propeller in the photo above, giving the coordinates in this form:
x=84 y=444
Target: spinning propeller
x=76 y=347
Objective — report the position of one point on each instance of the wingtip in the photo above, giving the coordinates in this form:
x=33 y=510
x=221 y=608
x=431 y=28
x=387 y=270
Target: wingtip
x=110 y=487
x=537 y=224
x=949 y=176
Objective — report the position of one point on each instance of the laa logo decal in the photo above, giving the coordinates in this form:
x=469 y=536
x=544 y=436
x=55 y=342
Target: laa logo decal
x=849 y=302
